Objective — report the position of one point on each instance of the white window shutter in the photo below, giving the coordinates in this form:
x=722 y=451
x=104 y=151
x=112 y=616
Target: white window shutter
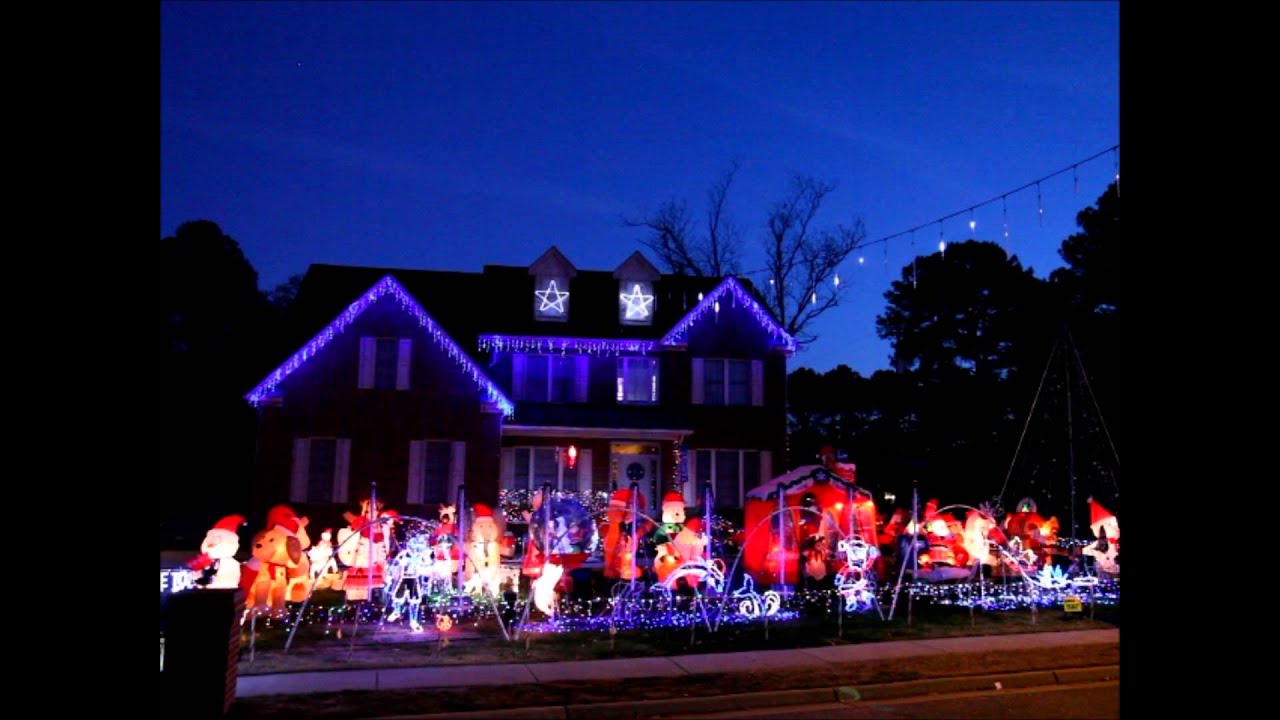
x=457 y=469
x=368 y=351
x=402 y=364
x=697 y=381
x=507 y=469
x=301 y=466
x=582 y=376
x=342 y=471
x=766 y=466
x=696 y=487
x=584 y=470
x=757 y=382
x=691 y=485
x=417 y=456
x=518 y=364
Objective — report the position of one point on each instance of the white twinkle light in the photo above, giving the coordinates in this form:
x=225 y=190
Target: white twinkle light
x=861 y=260
x=815 y=298
x=837 y=280
x=942 y=246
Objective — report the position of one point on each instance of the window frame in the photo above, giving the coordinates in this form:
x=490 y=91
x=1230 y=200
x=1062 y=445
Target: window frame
x=561 y=468
x=742 y=473
x=621 y=376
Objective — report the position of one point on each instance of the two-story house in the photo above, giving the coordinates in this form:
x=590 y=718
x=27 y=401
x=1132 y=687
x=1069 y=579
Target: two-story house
x=518 y=376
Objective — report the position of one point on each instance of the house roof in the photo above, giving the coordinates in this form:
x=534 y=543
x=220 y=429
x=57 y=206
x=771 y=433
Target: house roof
x=459 y=308
x=387 y=286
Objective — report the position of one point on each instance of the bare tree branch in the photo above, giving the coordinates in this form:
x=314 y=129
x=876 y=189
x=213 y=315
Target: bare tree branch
x=671 y=238
x=669 y=225
x=801 y=260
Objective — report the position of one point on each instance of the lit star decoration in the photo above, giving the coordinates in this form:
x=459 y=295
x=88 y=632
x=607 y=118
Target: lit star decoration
x=637 y=303
x=556 y=305
x=386 y=286
x=679 y=334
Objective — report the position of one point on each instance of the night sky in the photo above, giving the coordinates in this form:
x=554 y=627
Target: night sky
x=453 y=135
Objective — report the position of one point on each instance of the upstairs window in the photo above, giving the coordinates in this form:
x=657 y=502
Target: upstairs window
x=550 y=378
x=384 y=363
x=635 y=302
x=719 y=381
x=637 y=380
x=551 y=298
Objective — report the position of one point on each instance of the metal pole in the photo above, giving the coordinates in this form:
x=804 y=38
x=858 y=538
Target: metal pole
x=368 y=528
x=915 y=553
x=461 y=543
x=782 y=549
x=635 y=522
x=706 y=529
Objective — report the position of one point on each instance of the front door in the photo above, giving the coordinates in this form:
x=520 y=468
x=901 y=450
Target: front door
x=641 y=469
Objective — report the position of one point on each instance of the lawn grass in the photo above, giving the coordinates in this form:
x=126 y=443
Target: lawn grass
x=929 y=622
x=318 y=648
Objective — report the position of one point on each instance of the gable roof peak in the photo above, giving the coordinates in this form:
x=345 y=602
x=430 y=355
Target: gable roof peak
x=553 y=262
x=637 y=267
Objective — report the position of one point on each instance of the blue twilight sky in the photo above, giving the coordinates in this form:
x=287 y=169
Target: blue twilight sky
x=448 y=135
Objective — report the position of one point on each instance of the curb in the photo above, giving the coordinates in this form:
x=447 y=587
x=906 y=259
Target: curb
x=784 y=698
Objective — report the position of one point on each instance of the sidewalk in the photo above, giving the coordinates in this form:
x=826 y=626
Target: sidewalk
x=652 y=667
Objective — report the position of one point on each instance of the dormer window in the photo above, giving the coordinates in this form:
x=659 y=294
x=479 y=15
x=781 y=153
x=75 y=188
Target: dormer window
x=551 y=298
x=551 y=276
x=636 y=306
x=637 y=301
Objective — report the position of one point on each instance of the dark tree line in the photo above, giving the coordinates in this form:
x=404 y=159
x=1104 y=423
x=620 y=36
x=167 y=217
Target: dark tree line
x=219 y=334
x=977 y=341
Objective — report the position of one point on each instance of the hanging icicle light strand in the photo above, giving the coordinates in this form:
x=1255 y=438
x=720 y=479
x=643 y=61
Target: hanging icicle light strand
x=1004 y=211
x=1114 y=150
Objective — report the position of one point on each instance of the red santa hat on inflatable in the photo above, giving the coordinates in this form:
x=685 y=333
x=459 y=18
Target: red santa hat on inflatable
x=621 y=498
x=482 y=511
x=1099 y=515
x=672 y=498
x=694 y=525
x=230 y=523
x=283 y=517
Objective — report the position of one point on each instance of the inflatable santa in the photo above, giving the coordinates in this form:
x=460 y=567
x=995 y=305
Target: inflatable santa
x=216 y=563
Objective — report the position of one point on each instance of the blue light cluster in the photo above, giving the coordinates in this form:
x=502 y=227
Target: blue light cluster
x=677 y=334
x=385 y=286
x=566 y=345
